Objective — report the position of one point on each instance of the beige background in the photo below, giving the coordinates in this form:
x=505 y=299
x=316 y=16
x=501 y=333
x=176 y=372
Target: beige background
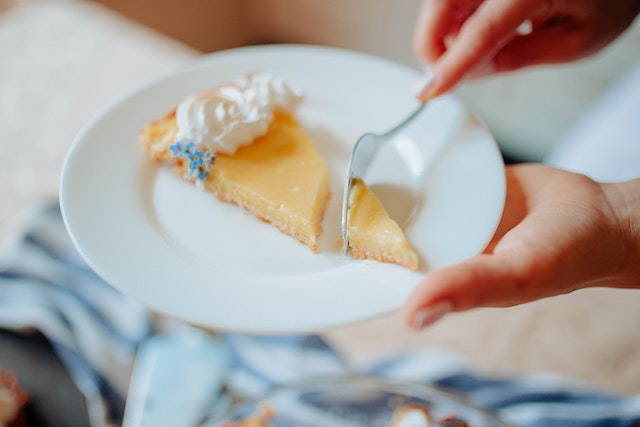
x=528 y=111
x=63 y=61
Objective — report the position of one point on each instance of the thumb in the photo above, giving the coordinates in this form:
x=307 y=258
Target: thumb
x=484 y=281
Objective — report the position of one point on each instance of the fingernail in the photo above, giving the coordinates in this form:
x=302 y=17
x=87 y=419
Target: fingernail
x=422 y=88
x=525 y=28
x=430 y=315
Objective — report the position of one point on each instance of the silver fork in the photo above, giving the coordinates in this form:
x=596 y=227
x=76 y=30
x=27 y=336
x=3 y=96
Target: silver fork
x=363 y=154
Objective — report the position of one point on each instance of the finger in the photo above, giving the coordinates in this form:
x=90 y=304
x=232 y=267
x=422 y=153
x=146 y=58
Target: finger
x=483 y=281
x=493 y=24
x=431 y=29
x=557 y=44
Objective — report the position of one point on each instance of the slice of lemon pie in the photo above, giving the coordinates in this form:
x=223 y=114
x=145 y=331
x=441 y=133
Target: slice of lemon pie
x=373 y=234
x=241 y=142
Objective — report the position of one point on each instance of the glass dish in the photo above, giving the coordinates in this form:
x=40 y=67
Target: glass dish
x=353 y=401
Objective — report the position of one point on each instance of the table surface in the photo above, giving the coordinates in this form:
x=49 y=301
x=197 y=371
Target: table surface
x=70 y=58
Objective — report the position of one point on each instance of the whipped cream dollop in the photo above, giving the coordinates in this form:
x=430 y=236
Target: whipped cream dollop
x=232 y=115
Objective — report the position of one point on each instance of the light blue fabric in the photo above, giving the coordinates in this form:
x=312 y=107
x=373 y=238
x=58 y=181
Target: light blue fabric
x=45 y=286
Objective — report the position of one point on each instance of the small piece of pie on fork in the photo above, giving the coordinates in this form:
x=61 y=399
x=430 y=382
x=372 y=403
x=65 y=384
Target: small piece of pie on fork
x=367 y=230
x=373 y=234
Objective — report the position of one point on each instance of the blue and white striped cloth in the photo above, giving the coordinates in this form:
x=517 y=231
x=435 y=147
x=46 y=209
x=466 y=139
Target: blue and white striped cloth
x=96 y=331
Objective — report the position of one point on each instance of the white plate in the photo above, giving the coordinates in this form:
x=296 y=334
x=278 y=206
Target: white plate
x=181 y=252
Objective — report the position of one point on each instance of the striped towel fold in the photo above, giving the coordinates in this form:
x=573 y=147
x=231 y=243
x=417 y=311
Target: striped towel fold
x=96 y=332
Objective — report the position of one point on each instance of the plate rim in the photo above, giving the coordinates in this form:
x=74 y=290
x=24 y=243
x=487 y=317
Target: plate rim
x=378 y=383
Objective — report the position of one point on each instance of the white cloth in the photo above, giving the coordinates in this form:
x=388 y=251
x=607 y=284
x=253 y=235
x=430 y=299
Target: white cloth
x=96 y=332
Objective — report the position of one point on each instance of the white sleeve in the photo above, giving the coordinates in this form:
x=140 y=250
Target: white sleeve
x=605 y=143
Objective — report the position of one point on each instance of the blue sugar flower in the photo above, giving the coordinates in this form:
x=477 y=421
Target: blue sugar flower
x=196 y=158
x=189 y=148
x=200 y=161
x=176 y=149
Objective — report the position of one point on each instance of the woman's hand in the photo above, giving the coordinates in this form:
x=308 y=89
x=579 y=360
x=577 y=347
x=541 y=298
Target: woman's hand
x=469 y=38
x=560 y=231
